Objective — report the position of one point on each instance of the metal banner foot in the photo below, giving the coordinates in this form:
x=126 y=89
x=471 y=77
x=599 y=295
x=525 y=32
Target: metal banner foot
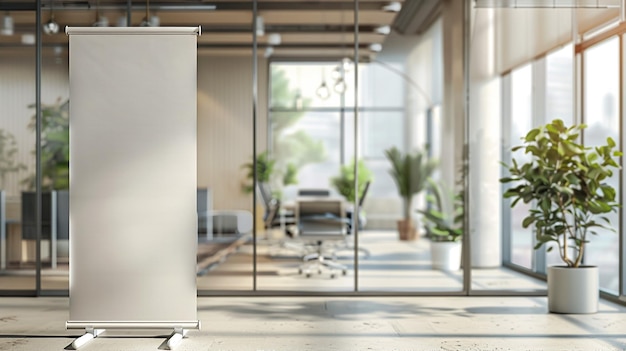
x=175 y=338
x=90 y=334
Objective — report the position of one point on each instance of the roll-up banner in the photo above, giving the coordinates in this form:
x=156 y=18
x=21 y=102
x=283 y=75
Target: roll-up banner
x=133 y=235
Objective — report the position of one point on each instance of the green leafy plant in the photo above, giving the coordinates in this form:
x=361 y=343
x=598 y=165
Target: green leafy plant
x=344 y=182
x=444 y=215
x=567 y=182
x=264 y=169
x=8 y=153
x=291 y=175
x=55 y=146
x=266 y=173
x=410 y=173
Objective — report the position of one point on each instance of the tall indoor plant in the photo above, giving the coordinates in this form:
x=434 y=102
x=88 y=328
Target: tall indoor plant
x=567 y=182
x=410 y=173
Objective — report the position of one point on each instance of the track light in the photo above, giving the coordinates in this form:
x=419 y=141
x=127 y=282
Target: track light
x=274 y=39
x=375 y=47
x=393 y=6
x=384 y=30
x=7 y=25
x=260 y=26
x=28 y=39
x=122 y=22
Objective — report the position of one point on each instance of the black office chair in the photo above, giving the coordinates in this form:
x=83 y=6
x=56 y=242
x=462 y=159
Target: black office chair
x=273 y=217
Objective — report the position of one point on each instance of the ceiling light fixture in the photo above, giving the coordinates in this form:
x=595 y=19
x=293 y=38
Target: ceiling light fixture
x=101 y=21
x=384 y=30
x=150 y=21
x=260 y=26
x=340 y=86
x=51 y=27
x=28 y=39
x=274 y=39
x=376 y=47
x=122 y=22
x=393 y=6
x=346 y=64
x=268 y=51
x=322 y=91
x=7 y=25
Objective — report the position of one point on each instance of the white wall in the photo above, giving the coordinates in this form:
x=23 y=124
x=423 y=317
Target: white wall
x=225 y=126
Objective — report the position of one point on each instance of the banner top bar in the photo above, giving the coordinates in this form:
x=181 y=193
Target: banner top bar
x=133 y=30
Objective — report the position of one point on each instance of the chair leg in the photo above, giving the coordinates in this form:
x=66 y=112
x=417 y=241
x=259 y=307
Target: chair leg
x=318 y=263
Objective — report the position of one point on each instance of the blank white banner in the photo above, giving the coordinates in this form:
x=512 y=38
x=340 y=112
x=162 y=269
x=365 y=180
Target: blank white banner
x=133 y=235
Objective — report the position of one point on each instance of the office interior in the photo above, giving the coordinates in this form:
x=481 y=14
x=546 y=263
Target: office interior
x=312 y=86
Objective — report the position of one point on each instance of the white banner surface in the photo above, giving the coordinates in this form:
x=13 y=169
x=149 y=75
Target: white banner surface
x=133 y=235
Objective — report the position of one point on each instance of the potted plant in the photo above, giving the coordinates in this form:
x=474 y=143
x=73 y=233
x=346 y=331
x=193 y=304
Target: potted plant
x=444 y=225
x=264 y=169
x=567 y=182
x=410 y=172
x=344 y=184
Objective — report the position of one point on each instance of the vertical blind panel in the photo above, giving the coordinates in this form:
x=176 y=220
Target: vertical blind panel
x=133 y=235
x=548 y=3
x=523 y=34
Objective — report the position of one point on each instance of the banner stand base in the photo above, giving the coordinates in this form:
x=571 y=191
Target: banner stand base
x=92 y=330
x=90 y=334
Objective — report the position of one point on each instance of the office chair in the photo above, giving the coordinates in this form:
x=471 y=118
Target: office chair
x=320 y=222
x=274 y=216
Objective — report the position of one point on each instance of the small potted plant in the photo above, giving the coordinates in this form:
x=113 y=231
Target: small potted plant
x=344 y=184
x=410 y=173
x=567 y=183
x=443 y=222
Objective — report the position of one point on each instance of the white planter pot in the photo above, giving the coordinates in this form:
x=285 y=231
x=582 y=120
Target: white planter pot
x=573 y=290
x=446 y=255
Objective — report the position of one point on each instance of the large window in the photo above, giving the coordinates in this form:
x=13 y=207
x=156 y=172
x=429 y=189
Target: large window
x=312 y=121
x=601 y=114
x=521 y=122
x=559 y=100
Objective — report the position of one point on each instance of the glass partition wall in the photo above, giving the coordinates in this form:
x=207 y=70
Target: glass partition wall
x=17 y=96
x=285 y=107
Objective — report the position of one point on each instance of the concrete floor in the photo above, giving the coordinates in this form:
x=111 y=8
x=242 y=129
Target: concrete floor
x=334 y=323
